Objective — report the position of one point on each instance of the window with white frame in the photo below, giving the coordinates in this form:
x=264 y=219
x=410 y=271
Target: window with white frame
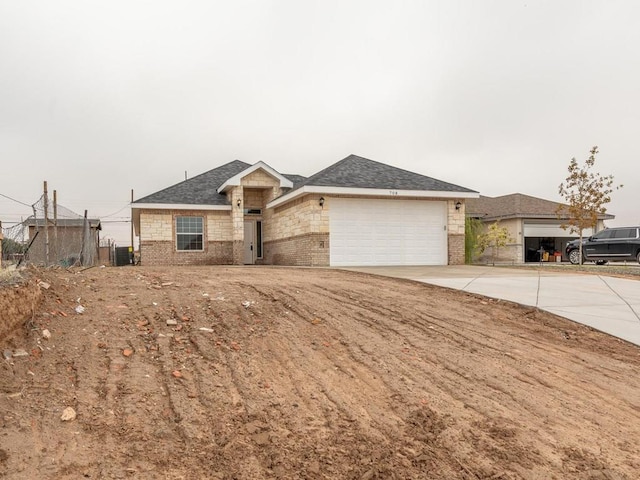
x=189 y=233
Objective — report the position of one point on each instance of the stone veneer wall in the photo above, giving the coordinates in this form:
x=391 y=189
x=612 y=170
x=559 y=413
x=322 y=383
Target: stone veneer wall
x=157 y=239
x=298 y=233
x=299 y=217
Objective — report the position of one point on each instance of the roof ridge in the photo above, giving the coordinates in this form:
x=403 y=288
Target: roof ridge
x=357 y=171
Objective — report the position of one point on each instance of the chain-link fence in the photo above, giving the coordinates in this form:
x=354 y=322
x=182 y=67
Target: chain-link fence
x=52 y=235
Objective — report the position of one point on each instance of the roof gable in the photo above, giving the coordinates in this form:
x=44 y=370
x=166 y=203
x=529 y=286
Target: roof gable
x=199 y=190
x=237 y=178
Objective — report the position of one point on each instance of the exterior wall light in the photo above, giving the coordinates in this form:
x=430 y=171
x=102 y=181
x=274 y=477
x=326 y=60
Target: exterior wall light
x=238 y=203
x=458 y=205
x=321 y=202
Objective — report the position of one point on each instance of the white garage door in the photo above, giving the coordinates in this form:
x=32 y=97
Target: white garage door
x=387 y=232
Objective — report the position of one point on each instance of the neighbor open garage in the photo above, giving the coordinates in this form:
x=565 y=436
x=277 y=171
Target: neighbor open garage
x=547 y=236
x=387 y=232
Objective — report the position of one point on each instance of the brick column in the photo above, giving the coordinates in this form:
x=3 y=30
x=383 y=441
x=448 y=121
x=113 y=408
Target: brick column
x=455 y=237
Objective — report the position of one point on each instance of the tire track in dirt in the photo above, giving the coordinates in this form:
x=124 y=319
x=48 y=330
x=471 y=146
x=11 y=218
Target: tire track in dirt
x=340 y=402
x=495 y=386
x=314 y=393
x=403 y=337
x=397 y=331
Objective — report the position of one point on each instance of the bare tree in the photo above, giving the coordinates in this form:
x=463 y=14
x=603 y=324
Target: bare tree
x=586 y=193
x=495 y=237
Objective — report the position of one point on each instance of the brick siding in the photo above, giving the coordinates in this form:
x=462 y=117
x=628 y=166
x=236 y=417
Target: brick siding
x=310 y=250
x=165 y=253
x=456 y=249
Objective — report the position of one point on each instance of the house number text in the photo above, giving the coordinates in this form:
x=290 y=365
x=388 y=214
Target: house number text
x=393 y=192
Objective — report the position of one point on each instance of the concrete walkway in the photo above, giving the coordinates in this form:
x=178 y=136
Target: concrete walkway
x=608 y=304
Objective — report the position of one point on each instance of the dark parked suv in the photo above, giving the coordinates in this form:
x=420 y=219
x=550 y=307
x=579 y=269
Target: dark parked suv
x=610 y=244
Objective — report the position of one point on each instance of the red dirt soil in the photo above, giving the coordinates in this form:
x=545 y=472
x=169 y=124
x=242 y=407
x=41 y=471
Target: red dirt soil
x=256 y=373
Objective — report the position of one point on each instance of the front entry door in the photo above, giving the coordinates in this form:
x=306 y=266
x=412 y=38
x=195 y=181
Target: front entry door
x=249 y=242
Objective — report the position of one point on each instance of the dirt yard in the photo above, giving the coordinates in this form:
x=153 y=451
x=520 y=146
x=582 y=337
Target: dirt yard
x=284 y=373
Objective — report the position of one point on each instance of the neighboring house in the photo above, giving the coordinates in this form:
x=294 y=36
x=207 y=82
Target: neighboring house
x=533 y=224
x=70 y=241
x=355 y=212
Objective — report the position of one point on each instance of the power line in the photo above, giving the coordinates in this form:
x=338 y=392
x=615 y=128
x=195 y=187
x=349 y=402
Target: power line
x=115 y=213
x=14 y=200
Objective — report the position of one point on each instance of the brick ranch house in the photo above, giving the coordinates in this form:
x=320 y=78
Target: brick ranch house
x=355 y=212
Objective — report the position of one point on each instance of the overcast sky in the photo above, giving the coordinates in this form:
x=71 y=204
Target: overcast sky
x=99 y=98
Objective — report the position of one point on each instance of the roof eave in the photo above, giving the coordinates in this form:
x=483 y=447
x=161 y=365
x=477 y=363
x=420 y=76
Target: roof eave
x=177 y=206
x=367 y=192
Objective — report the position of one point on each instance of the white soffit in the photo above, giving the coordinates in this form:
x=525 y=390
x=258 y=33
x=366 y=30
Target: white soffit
x=369 y=192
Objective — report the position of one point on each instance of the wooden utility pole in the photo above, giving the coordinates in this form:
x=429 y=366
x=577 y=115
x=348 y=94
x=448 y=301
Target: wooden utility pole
x=132 y=258
x=84 y=235
x=46 y=225
x=56 y=250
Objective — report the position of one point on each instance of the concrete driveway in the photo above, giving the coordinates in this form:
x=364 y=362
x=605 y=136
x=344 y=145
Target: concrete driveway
x=608 y=304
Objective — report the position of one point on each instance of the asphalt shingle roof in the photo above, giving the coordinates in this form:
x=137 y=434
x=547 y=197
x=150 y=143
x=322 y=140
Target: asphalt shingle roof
x=199 y=190
x=296 y=179
x=359 y=172
x=514 y=205
x=352 y=171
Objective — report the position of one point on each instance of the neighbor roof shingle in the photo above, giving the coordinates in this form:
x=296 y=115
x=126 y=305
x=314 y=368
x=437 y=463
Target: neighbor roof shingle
x=63 y=222
x=514 y=205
